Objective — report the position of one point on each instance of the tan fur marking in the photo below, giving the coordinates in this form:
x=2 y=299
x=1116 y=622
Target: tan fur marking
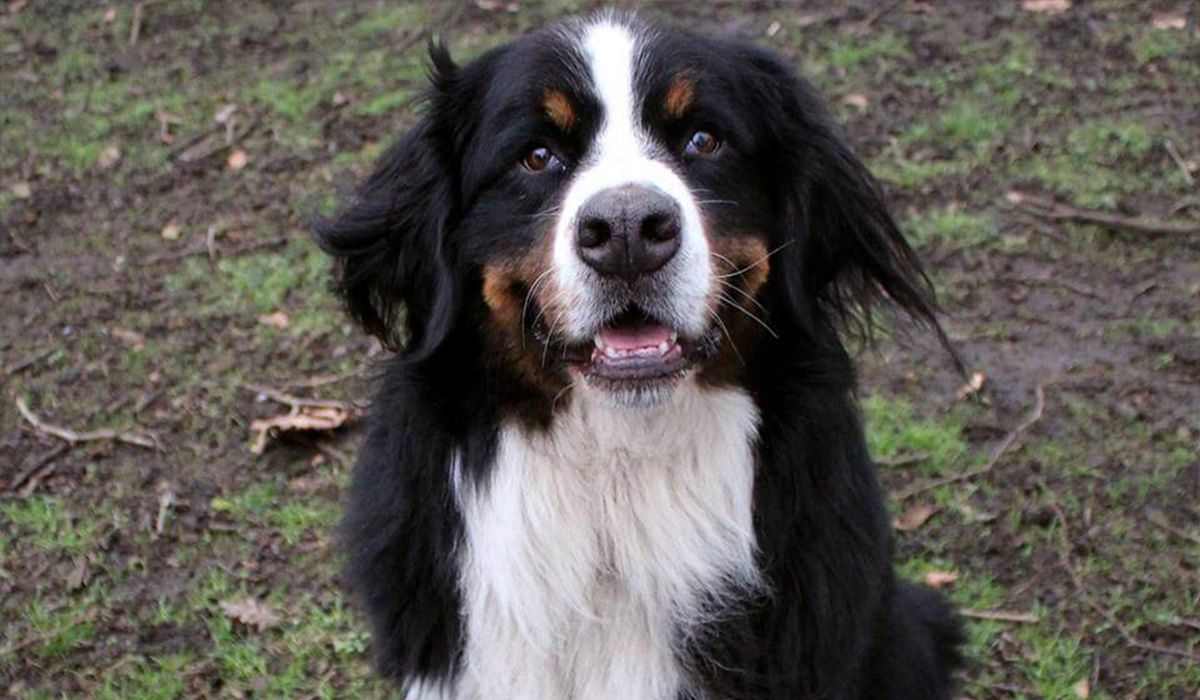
x=558 y=107
x=679 y=98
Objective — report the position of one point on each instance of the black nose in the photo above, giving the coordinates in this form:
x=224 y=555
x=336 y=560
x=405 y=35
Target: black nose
x=628 y=231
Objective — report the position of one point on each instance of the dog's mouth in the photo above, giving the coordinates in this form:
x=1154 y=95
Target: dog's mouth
x=634 y=350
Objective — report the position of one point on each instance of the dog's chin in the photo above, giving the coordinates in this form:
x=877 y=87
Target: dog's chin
x=636 y=361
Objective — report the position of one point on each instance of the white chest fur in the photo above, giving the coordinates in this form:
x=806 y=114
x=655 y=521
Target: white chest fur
x=594 y=544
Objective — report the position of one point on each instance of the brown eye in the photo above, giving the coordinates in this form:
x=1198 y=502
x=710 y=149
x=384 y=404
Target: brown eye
x=702 y=143
x=540 y=159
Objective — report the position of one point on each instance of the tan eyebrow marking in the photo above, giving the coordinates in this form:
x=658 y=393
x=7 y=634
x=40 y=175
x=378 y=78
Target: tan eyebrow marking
x=558 y=108
x=679 y=97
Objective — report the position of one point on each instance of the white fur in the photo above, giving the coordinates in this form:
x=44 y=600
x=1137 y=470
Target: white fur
x=592 y=545
x=621 y=154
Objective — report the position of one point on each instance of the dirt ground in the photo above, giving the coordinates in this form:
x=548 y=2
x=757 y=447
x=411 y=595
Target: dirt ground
x=157 y=165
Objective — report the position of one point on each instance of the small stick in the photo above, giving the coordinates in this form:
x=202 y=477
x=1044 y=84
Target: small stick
x=295 y=401
x=36 y=471
x=28 y=362
x=1064 y=559
x=1169 y=146
x=73 y=438
x=325 y=379
x=1001 y=616
x=1034 y=416
x=1054 y=211
x=135 y=27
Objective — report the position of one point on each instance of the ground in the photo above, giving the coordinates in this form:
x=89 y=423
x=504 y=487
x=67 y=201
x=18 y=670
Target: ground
x=158 y=164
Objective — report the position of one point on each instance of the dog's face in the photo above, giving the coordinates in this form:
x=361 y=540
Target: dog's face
x=622 y=207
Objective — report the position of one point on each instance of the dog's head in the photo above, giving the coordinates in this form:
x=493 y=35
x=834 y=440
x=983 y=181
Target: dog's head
x=620 y=206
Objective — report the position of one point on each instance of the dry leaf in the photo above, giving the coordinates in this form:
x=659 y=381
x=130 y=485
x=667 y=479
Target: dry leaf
x=914 y=517
x=1082 y=689
x=303 y=418
x=940 y=579
x=250 y=612
x=128 y=336
x=237 y=160
x=1051 y=7
x=773 y=28
x=171 y=231
x=973 y=386
x=15 y=6
x=21 y=190
x=79 y=576
x=108 y=158
x=1169 y=21
x=856 y=99
x=277 y=320
x=110 y=15
x=223 y=115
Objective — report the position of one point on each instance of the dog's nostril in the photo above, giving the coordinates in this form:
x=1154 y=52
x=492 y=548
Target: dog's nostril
x=660 y=227
x=594 y=232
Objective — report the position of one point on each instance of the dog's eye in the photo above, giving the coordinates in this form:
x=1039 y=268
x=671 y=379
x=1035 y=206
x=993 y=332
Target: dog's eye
x=702 y=143
x=539 y=159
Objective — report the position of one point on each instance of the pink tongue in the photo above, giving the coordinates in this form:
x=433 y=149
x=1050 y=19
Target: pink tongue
x=631 y=338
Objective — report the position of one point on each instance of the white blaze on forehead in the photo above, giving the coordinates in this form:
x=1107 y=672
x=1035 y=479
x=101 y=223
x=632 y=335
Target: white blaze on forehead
x=622 y=153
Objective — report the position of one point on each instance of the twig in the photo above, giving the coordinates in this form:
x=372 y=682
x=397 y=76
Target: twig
x=1001 y=616
x=326 y=379
x=1035 y=414
x=135 y=25
x=1157 y=520
x=1055 y=211
x=902 y=460
x=244 y=248
x=28 y=362
x=295 y=401
x=1169 y=146
x=73 y=438
x=879 y=12
x=1065 y=561
x=36 y=471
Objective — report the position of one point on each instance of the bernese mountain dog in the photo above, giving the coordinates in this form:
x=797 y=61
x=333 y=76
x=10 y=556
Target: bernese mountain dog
x=617 y=453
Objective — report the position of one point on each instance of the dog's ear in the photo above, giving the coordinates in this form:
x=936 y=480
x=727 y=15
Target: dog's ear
x=392 y=271
x=842 y=253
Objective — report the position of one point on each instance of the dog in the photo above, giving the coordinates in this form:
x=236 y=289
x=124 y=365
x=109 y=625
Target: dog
x=617 y=453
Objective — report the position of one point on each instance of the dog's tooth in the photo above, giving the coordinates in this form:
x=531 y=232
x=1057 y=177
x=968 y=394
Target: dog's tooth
x=598 y=341
x=665 y=346
x=673 y=338
x=610 y=351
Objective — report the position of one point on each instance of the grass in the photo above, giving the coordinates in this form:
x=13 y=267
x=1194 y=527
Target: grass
x=949 y=128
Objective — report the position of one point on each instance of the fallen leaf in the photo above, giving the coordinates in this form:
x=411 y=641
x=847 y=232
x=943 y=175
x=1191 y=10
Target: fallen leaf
x=171 y=231
x=773 y=28
x=1169 y=21
x=339 y=100
x=128 y=336
x=1082 y=689
x=109 y=157
x=237 y=160
x=21 y=190
x=973 y=386
x=15 y=6
x=224 y=113
x=79 y=576
x=1014 y=196
x=110 y=15
x=856 y=99
x=250 y=612
x=1051 y=7
x=940 y=579
x=301 y=419
x=277 y=320
x=914 y=517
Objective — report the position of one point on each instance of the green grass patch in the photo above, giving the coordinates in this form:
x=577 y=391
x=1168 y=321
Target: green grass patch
x=895 y=429
x=47 y=524
x=949 y=226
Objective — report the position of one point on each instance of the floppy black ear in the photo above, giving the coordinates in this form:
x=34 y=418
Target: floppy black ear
x=392 y=270
x=843 y=253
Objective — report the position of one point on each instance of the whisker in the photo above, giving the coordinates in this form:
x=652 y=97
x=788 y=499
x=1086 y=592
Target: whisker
x=529 y=296
x=745 y=294
x=756 y=262
x=729 y=337
x=729 y=300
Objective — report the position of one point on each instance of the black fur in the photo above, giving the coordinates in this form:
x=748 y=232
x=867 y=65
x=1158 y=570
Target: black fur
x=838 y=623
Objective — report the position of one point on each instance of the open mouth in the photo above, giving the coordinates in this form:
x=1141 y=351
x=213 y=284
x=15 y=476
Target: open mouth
x=636 y=349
